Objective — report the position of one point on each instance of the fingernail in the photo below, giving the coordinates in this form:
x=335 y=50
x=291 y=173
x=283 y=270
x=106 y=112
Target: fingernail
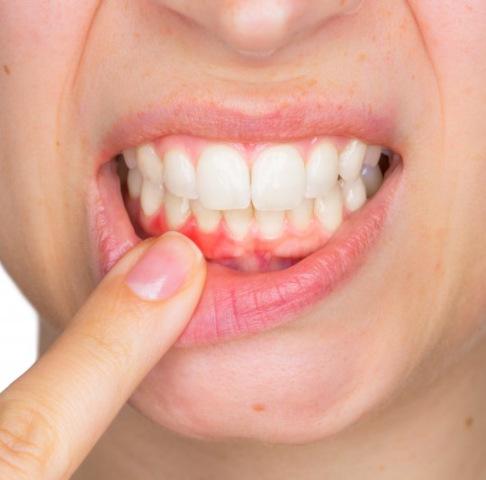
x=164 y=267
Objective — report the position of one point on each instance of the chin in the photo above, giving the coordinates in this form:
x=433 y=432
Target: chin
x=289 y=386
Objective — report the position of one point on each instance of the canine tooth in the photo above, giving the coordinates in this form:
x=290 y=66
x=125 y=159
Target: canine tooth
x=179 y=174
x=150 y=164
x=372 y=178
x=177 y=211
x=223 y=179
x=207 y=220
x=130 y=157
x=329 y=209
x=372 y=156
x=270 y=223
x=351 y=160
x=301 y=216
x=239 y=222
x=278 y=179
x=134 y=182
x=322 y=170
x=354 y=194
x=151 y=198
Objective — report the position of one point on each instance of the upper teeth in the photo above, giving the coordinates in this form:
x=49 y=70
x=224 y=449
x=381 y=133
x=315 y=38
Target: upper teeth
x=223 y=179
x=322 y=170
x=179 y=174
x=279 y=180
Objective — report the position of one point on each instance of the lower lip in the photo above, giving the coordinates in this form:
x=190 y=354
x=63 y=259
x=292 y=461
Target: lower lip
x=235 y=304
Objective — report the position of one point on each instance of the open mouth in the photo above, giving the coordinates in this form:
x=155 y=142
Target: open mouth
x=280 y=223
x=252 y=208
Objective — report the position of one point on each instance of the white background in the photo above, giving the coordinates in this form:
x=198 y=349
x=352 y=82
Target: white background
x=18 y=332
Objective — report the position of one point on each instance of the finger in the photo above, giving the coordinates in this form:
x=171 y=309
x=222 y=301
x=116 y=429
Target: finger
x=52 y=416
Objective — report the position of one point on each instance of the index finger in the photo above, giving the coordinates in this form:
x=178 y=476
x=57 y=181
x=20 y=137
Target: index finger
x=52 y=416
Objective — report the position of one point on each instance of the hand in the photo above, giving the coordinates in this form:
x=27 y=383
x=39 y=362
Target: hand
x=53 y=415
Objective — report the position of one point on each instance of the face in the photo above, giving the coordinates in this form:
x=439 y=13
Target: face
x=263 y=131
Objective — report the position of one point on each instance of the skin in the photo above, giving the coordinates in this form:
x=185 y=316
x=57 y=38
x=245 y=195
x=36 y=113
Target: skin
x=413 y=316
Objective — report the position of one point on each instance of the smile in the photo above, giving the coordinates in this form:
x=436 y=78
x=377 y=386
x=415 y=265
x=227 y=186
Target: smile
x=281 y=223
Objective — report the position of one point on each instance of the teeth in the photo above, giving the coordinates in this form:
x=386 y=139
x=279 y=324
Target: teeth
x=223 y=179
x=283 y=190
x=130 y=157
x=239 y=222
x=278 y=179
x=329 y=210
x=301 y=216
x=150 y=164
x=322 y=170
x=179 y=174
x=372 y=157
x=134 y=182
x=270 y=223
x=207 y=220
x=151 y=198
x=351 y=160
x=372 y=178
x=177 y=211
x=354 y=194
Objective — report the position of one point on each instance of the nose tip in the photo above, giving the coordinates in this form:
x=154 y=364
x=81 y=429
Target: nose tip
x=257 y=28
x=260 y=27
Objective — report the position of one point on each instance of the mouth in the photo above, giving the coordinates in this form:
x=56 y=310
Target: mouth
x=281 y=223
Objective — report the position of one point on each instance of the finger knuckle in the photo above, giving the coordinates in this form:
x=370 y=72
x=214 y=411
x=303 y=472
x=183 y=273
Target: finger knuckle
x=27 y=441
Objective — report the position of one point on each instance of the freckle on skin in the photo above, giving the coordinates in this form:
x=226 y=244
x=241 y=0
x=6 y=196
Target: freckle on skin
x=6 y=69
x=258 y=407
x=469 y=422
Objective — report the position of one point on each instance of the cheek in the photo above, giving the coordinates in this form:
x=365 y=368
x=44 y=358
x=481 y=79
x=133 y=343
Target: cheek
x=40 y=47
x=455 y=36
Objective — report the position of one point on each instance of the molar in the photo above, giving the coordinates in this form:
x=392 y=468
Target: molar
x=134 y=182
x=372 y=178
x=278 y=179
x=130 y=157
x=223 y=179
x=372 y=156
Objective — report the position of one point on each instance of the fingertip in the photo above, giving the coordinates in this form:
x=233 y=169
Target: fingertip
x=164 y=267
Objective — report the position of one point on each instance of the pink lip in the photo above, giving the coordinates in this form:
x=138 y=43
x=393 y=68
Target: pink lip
x=236 y=304
x=291 y=120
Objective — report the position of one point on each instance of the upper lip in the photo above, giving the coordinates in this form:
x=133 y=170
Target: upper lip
x=285 y=121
